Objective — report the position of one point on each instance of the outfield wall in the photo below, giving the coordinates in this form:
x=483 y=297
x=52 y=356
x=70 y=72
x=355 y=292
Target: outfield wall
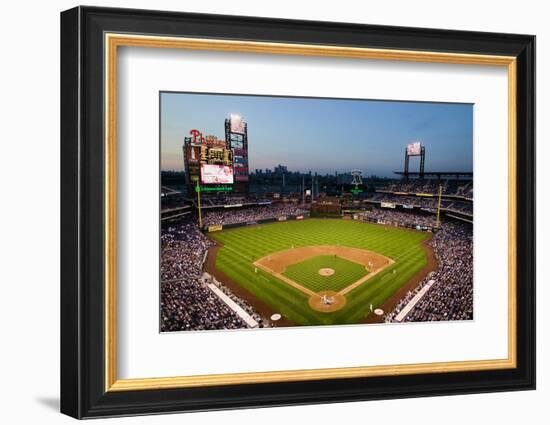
x=395 y=224
x=357 y=216
x=218 y=227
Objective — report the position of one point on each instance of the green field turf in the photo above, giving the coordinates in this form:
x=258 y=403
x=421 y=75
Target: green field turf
x=307 y=274
x=244 y=245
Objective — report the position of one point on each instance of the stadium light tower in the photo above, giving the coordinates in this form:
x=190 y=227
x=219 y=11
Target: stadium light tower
x=414 y=149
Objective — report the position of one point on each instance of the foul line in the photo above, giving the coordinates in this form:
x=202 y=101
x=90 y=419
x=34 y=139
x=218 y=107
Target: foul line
x=364 y=279
x=286 y=280
x=367 y=277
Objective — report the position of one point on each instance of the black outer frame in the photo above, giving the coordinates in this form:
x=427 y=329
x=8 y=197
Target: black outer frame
x=82 y=212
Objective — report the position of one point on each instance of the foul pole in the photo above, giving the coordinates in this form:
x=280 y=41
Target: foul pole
x=303 y=190
x=198 y=190
x=439 y=205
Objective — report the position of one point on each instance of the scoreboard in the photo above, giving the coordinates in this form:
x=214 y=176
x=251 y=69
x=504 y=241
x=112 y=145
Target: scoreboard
x=200 y=151
x=220 y=163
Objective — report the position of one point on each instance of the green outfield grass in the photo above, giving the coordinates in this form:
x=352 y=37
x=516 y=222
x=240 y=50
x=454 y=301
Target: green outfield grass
x=244 y=245
x=307 y=274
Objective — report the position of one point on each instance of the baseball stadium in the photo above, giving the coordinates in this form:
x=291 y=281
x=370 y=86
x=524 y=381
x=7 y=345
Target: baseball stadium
x=244 y=249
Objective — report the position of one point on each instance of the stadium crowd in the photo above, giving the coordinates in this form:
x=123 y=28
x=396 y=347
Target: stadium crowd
x=462 y=207
x=186 y=302
x=391 y=216
x=451 y=294
x=249 y=214
x=454 y=187
x=427 y=203
x=222 y=200
x=262 y=322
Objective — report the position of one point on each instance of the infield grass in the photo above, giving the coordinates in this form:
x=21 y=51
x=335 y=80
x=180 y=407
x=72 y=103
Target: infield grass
x=307 y=274
x=244 y=245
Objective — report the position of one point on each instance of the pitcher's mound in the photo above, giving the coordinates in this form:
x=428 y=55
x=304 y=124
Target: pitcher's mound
x=327 y=301
x=326 y=272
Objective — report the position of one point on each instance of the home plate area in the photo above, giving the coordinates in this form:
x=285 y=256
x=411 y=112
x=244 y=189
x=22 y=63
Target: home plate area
x=327 y=301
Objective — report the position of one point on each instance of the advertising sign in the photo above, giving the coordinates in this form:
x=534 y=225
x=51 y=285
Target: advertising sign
x=193 y=154
x=414 y=149
x=213 y=188
x=240 y=161
x=237 y=124
x=241 y=152
x=387 y=205
x=216 y=174
x=240 y=170
x=237 y=144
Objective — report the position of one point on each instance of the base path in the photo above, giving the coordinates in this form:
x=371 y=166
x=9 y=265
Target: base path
x=279 y=261
x=286 y=279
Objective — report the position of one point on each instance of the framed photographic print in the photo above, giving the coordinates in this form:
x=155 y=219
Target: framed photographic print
x=261 y=212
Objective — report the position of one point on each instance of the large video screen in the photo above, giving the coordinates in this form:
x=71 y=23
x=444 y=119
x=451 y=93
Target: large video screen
x=237 y=124
x=216 y=174
x=414 y=149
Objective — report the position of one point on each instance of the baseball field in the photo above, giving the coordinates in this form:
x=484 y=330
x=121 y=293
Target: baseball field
x=321 y=271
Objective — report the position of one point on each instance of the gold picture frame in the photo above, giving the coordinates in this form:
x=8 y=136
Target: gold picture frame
x=91 y=40
x=114 y=41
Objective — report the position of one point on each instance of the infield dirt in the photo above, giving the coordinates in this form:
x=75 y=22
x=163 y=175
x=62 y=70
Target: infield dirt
x=279 y=261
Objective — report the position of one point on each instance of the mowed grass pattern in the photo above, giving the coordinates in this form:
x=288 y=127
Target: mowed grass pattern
x=307 y=274
x=244 y=245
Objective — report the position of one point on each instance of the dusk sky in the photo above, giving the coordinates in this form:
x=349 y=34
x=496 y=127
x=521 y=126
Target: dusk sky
x=324 y=135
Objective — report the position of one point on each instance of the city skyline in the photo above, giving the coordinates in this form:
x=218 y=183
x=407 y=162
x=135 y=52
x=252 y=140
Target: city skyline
x=324 y=135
